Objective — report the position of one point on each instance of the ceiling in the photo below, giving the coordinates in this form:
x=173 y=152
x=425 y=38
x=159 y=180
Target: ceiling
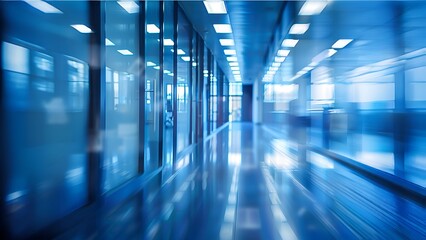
x=253 y=25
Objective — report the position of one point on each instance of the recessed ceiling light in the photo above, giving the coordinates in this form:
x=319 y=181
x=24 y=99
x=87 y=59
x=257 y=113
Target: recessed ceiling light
x=312 y=7
x=230 y=52
x=289 y=42
x=43 y=6
x=168 y=42
x=150 y=64
x=166 y=71
x=279 y=59
x=226 y=42
x=341 y=43
x=108 y=42
x=299 y=28
x=231 y=59
x=233 y=64
x=276 y=64
x=129 y=6
x=152 y=28
x=180 y=52
x=235 y=68
x=157 y=67
x=82 y=28
x=222 y=28
x=283 y=53
x=125 y=52
x=215 y=7
x=186 y=58
x=236 y=72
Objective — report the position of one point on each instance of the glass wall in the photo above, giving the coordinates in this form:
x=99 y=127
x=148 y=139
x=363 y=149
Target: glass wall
x=183 y=81
x=121 y=152
x=235 y=95
x=153 y=94
x=45 y=92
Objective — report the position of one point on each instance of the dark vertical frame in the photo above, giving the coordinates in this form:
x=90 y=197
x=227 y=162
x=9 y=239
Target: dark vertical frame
x=142 y=97
x=220 y=98
x=209 y=69
x=190 y=86
x=175 y=75
x=199 y=89
x=4 y=225
x=161 y=88
x=96 y=118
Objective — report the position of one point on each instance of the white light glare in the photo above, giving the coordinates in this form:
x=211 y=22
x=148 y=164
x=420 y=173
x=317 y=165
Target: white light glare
x=341 y=43
x=152 y=28
x=236 y=72
x=312 y=7
x=226 y=42
x=82 y=28
x=222 y=28
x=180 y=52
x=186 y=58
x=279 y=59
x=129 y=6
x=168 y=42
x=230 y=52
x=289 y=42
x=283 y=53
x=43 y=6
x=215 y=7
x=276 y=64
x=323 y=55
x=232 y=59
x=235 y=68
x=150 y=64
x=299 y=28
x=108 y=42
x=233 y=64
x=125 y=52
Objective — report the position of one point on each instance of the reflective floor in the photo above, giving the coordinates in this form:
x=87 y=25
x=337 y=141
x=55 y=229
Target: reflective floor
x=246 y=184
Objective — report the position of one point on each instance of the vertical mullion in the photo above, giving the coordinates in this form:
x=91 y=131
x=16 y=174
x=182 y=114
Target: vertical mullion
x=142 y=97
x=190 y=87
x=175 y=37
x=96 y=117
x=161 y=88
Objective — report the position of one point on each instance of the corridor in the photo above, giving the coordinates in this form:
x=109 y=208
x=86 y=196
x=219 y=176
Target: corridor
x=245 y=182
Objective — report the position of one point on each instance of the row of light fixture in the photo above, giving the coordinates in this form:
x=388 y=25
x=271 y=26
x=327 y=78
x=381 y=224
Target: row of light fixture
x=310 y=7
x=218 y=7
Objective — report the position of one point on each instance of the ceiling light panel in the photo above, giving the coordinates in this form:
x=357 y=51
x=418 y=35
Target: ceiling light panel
x=299 y=28
x=152 y=28
x=312 y=7
x=125 y=52
x=235 y=68
x=43 y=6
x=82 y=28
x=222 y=28
x=230 y=52
x=233 y=64
x=226 y=42
x=129 y=6
x=283 y=53
x=231 y=59
x=279 y=59
x=289 y=42
x=108 y=42
x=341 y=43
x=168 y=42
x=215 y=7
x=180 y=52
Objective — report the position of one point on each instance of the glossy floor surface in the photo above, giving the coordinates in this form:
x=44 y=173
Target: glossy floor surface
x=246 y=184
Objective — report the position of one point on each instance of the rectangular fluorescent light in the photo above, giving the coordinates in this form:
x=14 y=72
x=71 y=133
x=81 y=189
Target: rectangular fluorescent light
x=125 y=52
x=236 y=72
x=186 y=58
x=222 y=28
x=279 y=59
x=283 y=53
x=150 y=64
x=233 y=64
x=43 y=6
x=170 y=74
x=276 y=64
x=231 y=59
x=129 y=6
x=341 y=43
x=108 y=42
x=82 y=28
x=273 y=69
x=180 y=52
x=235 y=68
x=152 y=28
x=312 y=7
x=168 y=42
x=299 y=28
x=157 y=67
x=289 y=42
x=323 y=55
x=215 y=7
x=166 y=71
x=226 y=42
x=230 y=52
